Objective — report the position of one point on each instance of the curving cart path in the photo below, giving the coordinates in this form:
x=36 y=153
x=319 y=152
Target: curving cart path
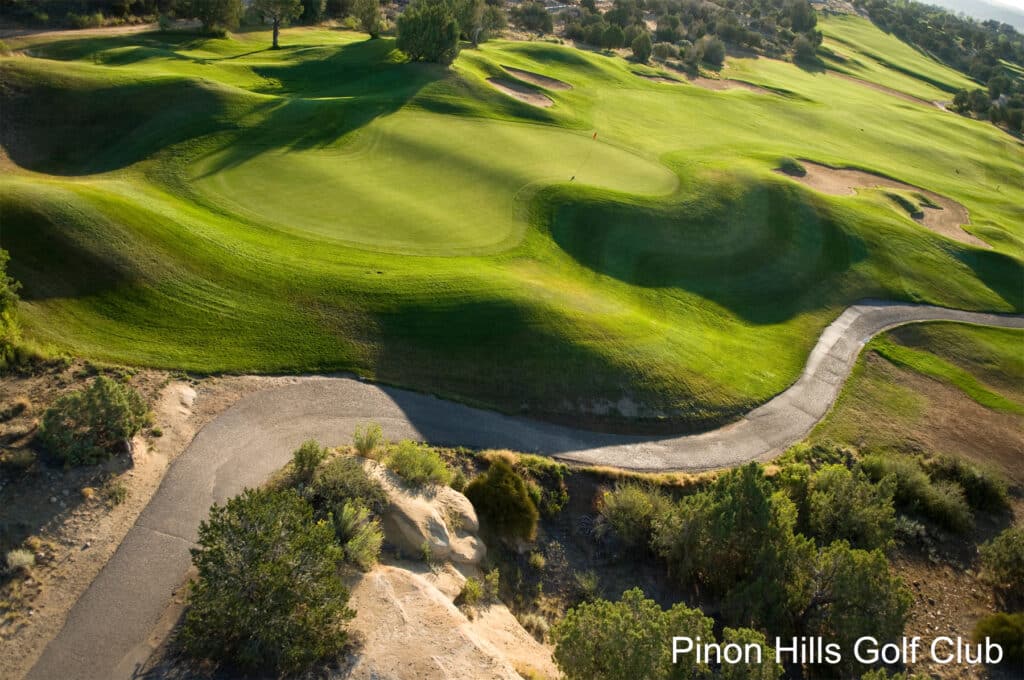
x=107 y=633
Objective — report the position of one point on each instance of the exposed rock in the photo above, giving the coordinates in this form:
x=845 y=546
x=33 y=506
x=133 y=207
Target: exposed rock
x=436 y=516
x=409 y=629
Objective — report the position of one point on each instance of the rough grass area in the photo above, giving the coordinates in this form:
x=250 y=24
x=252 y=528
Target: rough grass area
x=212 y=205
x=938 y=388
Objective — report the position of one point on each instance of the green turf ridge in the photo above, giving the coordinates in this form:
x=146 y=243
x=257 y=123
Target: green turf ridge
x=328 y=207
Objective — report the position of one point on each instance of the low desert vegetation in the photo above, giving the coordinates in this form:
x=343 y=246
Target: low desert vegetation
x=87 y=426
x=1006 y=630
x=1002 y=563
x=367 y=438
x=502 y=501
x=269 y=594
x=417 y=464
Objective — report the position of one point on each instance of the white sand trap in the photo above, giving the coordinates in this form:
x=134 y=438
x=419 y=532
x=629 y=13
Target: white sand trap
x=717 y=84
x=537 y=79
x=521 y=92
x=946 y=219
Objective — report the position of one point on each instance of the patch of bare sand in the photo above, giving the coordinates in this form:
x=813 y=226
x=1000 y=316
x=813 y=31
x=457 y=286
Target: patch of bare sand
x=717 y=84
x=520 y=92
x=945 y=219
x=537 y=79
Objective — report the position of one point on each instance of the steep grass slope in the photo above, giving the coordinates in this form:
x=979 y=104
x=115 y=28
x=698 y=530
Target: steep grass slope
x=213 y=205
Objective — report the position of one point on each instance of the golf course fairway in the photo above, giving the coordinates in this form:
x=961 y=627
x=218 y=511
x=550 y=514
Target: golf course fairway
x=630 y=256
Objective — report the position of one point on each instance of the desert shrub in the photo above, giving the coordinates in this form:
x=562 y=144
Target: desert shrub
x=367 y=438
x=1006 y=630
x=269 y=595
x=307 y=458
x=503 y=503
x=532 y=16
x=115 y=492
x=793 y=167
x=20 y=560
x=629 y=512
x=767 y=669
x=642 y=47
x=18 y=460
x=713 y=51
x=537 y=561
x=428 y=31
x=418 y=465
x=942 y=501
x=545 y=483
x=984 y=488
x=458 y=482
x=736 y=541
x=627 y=639
x=343 y=480
x=87 y=426
x=845 y=505
x=360 y=535
x=1002 y=564
x=471 y=594
x=664 y=51
x=492 y=585
x=535 y=624
x=587 y=585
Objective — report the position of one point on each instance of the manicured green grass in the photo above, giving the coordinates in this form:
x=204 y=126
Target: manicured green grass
x=211 y=205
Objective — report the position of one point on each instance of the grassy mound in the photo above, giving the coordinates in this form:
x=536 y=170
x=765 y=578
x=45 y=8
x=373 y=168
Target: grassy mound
x=213 y=205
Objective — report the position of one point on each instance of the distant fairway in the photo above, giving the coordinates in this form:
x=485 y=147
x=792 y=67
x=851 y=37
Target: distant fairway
x=211 y=205
x=426 y=183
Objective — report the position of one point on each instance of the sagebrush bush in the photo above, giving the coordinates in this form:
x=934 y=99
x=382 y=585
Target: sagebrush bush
x=269 y=595
x=342 y=480
x=984 y=487
x=360 y=535
x=1006 y=630
x=942 y=501
x=1002 y=564
x=87 y=426
x=20 y=560
x=629 y=511
x=367 y=438
x=845 y=505
x=418 y=465
x=503 y=503
x=307 y=458
x=471 y=594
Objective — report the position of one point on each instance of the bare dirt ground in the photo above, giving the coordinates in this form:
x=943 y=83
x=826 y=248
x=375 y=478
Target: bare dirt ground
x=74 y=520
x=537 y=79
x=946 y=219
x=520 y=92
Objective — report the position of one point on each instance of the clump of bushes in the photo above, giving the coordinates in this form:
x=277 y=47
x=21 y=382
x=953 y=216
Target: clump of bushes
x=418 y=465
x=845 y=505
x=942 y=501
x=88 y=426
x=1006 y=630
x=545 y=482
x=360 y=535
x=269 y=594
x=343 y=479
x=984 y=488
x=503 y=503
x=629 y=512
x=1002 y=563
x=627 y=639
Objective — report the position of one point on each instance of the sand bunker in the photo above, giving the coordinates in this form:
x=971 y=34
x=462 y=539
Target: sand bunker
x=537 y=79
x=708 y=83
x=944 y=219
x=520 y=92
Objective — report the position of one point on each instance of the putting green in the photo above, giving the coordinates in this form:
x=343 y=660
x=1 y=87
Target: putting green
x=419 y=183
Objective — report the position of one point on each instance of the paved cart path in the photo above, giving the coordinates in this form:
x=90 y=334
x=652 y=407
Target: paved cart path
x=107 y=632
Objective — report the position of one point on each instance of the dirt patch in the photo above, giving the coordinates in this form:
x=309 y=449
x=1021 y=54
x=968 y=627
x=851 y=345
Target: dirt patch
x=520 y=92
x=537 y=79
x=946 y=219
